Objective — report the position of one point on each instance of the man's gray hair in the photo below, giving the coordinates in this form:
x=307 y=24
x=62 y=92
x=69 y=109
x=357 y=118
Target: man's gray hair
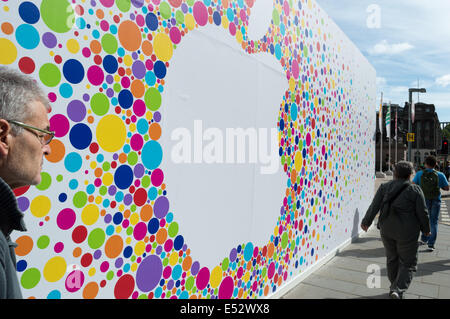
x=17 y=91
x=403 y=170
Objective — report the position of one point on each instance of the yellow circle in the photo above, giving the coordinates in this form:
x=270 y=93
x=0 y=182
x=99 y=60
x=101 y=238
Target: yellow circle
x=139 y=249
x=111 y=133
x=134 y=219
x=163 y=47
x=216 y=277
x=107 y=179
x=40 y=206
x=91 y=272
x=190 y=21
x=298 y=161
x=73 y=46
x=8 y=53
x=90 y=214
x=173 y=259
x=128 y=60
x=55 y=269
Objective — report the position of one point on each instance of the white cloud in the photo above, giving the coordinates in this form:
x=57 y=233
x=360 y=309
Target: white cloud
x=381 y=81
x=443 y=81
x=384 y=47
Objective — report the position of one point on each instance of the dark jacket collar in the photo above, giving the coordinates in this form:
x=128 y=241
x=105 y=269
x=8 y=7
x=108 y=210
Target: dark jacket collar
x=11 y=218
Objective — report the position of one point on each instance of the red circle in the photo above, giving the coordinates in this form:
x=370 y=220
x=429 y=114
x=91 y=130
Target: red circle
x=93 y=148
x=79 y=234
x=26 y=65
x=124 y=287
x=21 y=190
x=86 y=260
x=140 y=197
x=58 y=59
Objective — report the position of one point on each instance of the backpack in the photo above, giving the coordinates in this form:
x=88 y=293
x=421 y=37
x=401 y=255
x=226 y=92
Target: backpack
x=429 y=182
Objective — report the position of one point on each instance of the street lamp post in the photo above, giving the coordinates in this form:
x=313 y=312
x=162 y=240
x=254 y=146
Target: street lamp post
x=411 y=91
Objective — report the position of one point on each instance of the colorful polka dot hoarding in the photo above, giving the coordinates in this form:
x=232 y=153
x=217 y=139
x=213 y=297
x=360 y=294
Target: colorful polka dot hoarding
x=101 y=223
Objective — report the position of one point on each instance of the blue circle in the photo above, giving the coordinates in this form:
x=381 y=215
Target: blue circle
x=62 y=197
x=113 y=29
x=294 y=111
x=152 y=193
x=27 y=36
x=127 y=252
x=248 y=251
x=110 y=64
x=55 y=294
x=142 y=126
x=178 y=242
x=176 y=272
x=90 y=189
x=160 y=69
x=150 y=78
x=151 y=20
x=80 y=136
x=80 y=23
x=118 y=217
x=29 y=12
x=153 y=226
x=65 y=90
x=230 y=14
x=125 y=99
x=73 y=184
x=110 y=230
x=217 y=18
x=151 y=155
x=123 y=177
x=73 y=71
x=73 y=162
x=119 y=197
x=21 y=265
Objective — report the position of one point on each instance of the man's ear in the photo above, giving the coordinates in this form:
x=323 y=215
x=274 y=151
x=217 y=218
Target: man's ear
x=5 y=129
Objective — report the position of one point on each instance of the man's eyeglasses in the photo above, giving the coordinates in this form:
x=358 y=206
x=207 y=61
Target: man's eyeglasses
x=43 y=138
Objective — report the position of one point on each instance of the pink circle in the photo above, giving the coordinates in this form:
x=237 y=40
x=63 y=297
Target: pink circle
x=66 y=218
x=59 y=247
x=308 y=139
x=95 y=75
x=243 y=15
x=226 y=288
x=104 y=266
x=104 y=25
x=156 y=1
x=295 y=69
x=59 y=124
x=232 y=29
x=107 y=3
x=202 y=278
x=140 y=230
x=139 y=107
x=74 y=281
x=140 y=20
x=136 y=142
x=157 y=177
x=175 y=35
x=167 y=272
x=86 y=52
x=168 y=245
x=125 y=81
x=52 y=97
x=200 y=13
x=271 y=271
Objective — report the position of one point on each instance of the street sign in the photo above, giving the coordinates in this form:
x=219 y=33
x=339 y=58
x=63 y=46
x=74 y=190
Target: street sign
x=410 y=137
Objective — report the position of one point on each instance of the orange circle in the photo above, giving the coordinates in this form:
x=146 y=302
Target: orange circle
x=57 y=151
x=90 y=119
x=96 y=46
x=187 y=262
x=7 y=28
x=100 y=14
x=90 y=291
x=146 y=212
x=122 y=158
x=113 y=246
x=128 y=71
x=77 y=252
x=129 y=35
x=25 y=245
x=154 y=131
x=126 y=214
x=161 y=236
x=270 y=250
x=137 y=88
x=147 y=48
x=98 y=172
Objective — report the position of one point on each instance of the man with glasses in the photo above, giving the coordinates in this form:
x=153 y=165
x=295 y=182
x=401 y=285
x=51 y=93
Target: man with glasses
x=24 y=140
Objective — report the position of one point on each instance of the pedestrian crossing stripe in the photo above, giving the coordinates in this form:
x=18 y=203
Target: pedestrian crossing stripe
x=445 y=216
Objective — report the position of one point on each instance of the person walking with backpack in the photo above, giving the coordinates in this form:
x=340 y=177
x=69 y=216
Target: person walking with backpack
x=431 y=181
x=403 y=215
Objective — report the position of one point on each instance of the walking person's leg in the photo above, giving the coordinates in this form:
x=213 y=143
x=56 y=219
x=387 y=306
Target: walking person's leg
x=424 y=239
x=434 y=220
x=408 y=255
x=392 y=260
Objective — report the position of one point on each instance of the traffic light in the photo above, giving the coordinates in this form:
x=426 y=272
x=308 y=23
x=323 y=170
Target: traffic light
x=444 y=146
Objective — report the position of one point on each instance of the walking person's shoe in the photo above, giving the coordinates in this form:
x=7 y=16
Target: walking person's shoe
x=395 y=295
x=421 y=242
x=431 y=248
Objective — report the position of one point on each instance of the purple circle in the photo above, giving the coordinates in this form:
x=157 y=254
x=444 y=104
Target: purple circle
x=158 y=250
x=139 y=170
x=138 y=69
x=108 y=218
x=86 y=97
x=184 y=8
x=23 y=203
x=195 y=268
x=49 y=40
x=97 y=254
x=76 y=110
x=161 y=207
x=112 y=190
x=149 y=273
x=137 y=3
x=66 y=218
x=233 y=255
x=110 y=93
x=109 y=79
x=157 y=116
x=128 y=199
x=119 y=262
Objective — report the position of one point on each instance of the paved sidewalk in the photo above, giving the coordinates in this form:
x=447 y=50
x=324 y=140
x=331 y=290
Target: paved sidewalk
x=347 y=274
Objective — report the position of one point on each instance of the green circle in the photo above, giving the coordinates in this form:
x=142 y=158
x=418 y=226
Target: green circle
x=49 y=75
x=79 y=199
x=129 y=231
x=284 y=240
x=189 y=283
x=103 y=190
x=59 y=178
x=106 y=166
x=109 y=43
x=276 y=17
x=152 y=99
x=165 y=262
x=117 y=87
x=264 y=272
x=100 y=104
x=225 y=264
x=179 y=16
x=46 y=181
x=165 y=10
x=58 y=15
x=133 y=208
x=173 y=229
x=96 y=238
x=110 y=275
x=145 y=181
x=30 y=278
x=123 y=5
x=132 y=158
x=43 y=242
x=143 y=296
x=133 y=258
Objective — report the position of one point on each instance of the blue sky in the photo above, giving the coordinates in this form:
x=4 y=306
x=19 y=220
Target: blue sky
x=406 y=41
